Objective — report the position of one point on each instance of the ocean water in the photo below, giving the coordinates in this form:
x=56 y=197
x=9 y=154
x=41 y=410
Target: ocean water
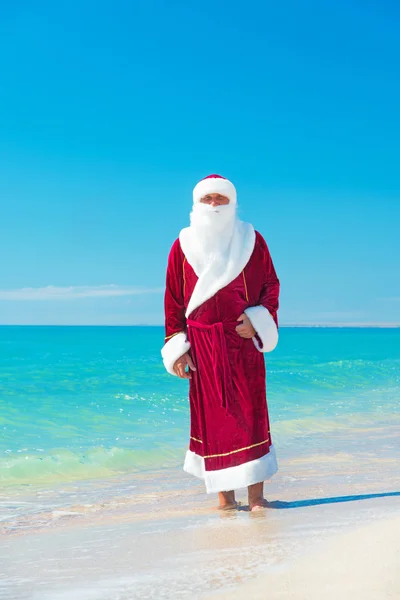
x=94 y=504
x=93 y=402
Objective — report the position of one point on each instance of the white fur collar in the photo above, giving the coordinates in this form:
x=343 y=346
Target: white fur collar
x=214 y=278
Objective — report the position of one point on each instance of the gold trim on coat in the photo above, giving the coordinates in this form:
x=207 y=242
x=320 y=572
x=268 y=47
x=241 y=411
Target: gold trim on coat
x=184 y=277
x=172 y=335
x=239 y=450
x=195 y=439
x=245 y=285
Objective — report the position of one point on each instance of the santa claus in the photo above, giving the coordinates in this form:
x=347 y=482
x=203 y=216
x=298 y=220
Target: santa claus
x=221 y=305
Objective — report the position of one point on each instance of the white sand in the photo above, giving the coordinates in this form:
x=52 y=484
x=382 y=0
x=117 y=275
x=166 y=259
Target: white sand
x=363 y=564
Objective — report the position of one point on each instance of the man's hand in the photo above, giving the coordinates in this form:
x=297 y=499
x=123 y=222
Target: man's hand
x=246 y=329
x=180 y=366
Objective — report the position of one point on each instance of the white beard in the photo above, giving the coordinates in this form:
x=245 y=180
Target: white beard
x=218 y=246
x=211 y=231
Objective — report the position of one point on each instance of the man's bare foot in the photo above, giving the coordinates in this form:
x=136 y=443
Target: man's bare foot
x=227 y=500
x=232 y=506
x=259 y=504
x=256 y=496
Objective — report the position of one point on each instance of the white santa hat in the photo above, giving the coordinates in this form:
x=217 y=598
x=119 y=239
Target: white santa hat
x=214 y=184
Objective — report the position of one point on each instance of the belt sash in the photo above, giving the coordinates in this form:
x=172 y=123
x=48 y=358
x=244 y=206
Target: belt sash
x=220 y=365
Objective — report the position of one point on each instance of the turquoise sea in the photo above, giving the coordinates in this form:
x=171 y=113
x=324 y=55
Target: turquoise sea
x=90 y=402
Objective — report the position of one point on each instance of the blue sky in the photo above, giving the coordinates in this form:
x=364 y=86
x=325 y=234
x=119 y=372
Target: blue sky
x=111 y=112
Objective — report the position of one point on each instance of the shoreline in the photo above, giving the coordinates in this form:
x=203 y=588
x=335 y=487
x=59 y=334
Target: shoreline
x=162 y=549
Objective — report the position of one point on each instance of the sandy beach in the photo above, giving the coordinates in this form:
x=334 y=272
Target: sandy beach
x=361 y=564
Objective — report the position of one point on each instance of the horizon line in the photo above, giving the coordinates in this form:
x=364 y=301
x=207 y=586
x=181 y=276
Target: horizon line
x=282 y=325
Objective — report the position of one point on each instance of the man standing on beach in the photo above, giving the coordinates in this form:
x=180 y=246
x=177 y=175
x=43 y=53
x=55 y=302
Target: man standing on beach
x=221 y=305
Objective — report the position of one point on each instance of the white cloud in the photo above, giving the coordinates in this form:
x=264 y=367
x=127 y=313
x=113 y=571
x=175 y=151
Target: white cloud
x=71 y=292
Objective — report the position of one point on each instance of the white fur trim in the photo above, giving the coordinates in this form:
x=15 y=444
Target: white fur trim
x=174 y=349
x=214 y=185
x=210 y=281
x=194 y=464
x=232 y=478
x=265 y=327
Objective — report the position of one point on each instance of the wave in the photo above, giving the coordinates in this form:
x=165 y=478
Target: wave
x=60 y=465
x=305 y=426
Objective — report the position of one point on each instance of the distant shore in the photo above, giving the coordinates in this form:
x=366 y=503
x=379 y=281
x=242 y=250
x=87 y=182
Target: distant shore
x=281 y=325
x=343 y=325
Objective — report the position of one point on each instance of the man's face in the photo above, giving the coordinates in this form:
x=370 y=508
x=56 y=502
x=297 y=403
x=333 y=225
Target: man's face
x=214 y=200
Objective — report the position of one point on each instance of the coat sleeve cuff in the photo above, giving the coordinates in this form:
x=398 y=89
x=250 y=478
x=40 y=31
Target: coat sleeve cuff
x=174 y=349
x=265 y=327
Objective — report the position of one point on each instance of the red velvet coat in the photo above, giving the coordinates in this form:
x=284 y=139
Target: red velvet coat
x=228 y=408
